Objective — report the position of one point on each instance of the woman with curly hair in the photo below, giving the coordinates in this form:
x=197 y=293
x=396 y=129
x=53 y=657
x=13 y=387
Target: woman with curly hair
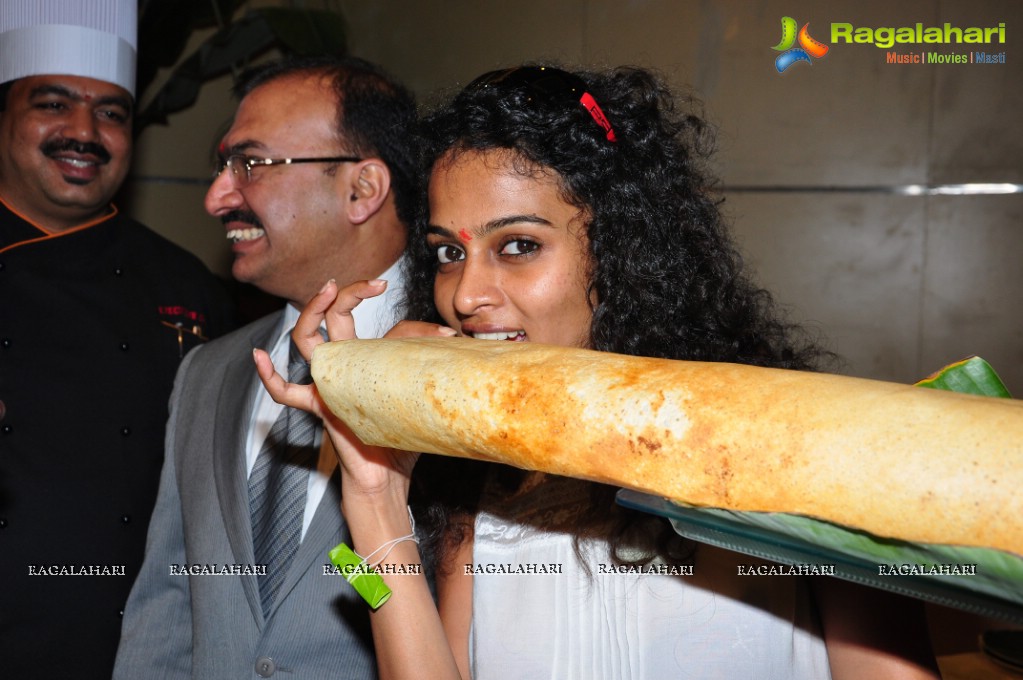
x=574 y=209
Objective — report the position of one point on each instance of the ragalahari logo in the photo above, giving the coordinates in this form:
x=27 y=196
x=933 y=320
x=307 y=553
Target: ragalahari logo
x=808 y=47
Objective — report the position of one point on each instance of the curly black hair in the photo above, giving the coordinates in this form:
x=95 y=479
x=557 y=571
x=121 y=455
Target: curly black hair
x=668 y=279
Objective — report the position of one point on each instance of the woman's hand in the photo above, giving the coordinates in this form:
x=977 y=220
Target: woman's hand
x=369 y=471
x=332 y=308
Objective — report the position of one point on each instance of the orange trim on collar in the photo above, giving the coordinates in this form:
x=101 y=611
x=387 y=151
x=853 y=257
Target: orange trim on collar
x=47 y=235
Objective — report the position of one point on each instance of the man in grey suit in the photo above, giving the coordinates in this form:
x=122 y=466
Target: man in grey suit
x=316 y=182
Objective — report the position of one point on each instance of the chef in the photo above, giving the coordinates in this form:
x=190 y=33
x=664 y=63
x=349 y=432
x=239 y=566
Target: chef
x=96 y=313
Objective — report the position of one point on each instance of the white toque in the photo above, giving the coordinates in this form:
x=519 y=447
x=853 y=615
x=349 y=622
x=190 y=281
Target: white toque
x=88 y=38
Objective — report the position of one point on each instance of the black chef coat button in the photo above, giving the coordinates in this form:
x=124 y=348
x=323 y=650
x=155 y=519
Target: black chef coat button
x=6 y=429
x=124 y=347
x=120 y=613
x=125 y=519
x=265 y=667
x=118 y=272
x=125 y=431
x=3 y=522
x=5 y=343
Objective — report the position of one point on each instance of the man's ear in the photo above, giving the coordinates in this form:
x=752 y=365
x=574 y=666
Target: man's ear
x=368 y=186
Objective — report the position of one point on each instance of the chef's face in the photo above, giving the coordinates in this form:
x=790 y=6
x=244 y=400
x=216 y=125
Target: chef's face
x=513 y=257
x=65 y=148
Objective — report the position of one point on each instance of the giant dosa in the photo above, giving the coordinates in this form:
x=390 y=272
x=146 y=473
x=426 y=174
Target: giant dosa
x=897 y=461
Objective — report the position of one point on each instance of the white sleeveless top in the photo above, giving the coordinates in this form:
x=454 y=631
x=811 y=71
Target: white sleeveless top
x=553 y=619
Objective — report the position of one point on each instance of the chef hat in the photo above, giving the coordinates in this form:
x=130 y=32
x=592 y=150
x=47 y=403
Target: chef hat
x=93 y=39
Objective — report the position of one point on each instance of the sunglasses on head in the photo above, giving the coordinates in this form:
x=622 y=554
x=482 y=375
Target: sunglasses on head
x=550 y=82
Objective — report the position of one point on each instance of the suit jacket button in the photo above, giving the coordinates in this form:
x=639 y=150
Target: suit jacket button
x=265 y=667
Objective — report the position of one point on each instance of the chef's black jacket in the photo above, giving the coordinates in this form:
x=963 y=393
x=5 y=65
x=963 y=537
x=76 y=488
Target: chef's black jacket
x=93 y=324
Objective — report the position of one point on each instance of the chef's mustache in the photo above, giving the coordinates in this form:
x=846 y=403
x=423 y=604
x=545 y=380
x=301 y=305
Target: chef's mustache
x=55 y=146
x=243 y=216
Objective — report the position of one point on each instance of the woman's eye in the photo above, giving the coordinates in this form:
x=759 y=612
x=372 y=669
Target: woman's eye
x=448 y=253
x=519 y=247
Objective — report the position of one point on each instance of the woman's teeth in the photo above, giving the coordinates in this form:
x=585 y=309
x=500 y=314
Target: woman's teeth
x=249 y=234
x=501 y=335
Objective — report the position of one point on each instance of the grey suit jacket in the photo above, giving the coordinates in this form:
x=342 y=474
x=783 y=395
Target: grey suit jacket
x=212 y=626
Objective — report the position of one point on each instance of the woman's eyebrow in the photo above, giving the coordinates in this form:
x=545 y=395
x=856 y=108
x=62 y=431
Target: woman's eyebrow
x=494 y=225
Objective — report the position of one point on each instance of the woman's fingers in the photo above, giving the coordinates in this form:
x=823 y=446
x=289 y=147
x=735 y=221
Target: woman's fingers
x=370 y=470
x=306 y=333
x=419 y=329
x=333 y=308
x=301 y=397
x=280 y=390
x=340 y=322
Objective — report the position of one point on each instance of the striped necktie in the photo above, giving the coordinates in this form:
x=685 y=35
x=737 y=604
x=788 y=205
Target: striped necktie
x=277 y=487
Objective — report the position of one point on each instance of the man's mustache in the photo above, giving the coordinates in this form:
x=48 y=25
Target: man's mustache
x=243 y=216
x=54 y=146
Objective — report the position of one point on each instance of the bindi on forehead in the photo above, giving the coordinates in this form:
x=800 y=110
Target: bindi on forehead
x=464 y=235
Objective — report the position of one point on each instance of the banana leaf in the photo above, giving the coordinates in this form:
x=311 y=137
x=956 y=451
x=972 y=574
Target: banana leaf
x=969 y=376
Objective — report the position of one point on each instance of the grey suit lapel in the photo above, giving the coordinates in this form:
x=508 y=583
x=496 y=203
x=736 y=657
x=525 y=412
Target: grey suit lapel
x=234 y=410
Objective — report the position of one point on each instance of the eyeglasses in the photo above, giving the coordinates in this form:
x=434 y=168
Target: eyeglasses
x=550 y=82
x=241 y=165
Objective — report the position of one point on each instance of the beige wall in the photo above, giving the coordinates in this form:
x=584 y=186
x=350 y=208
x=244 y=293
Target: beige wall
x=899 y=284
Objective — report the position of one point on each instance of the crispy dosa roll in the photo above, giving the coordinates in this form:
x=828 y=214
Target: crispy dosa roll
x=897 y=461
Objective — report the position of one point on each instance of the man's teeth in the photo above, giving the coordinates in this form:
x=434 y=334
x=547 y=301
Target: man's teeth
x=500 y=335
x=78 y=163
x=249 y=234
